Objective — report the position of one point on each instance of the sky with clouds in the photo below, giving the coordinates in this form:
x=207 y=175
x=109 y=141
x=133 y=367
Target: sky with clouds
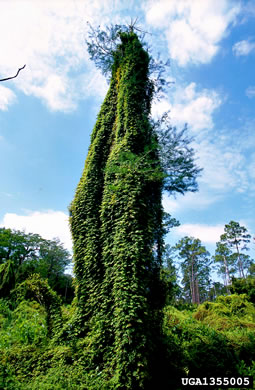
x=48 y=112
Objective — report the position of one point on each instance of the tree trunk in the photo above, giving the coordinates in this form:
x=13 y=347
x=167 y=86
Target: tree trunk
x=228 y=281
x=193 y=282
x=240 y=263
x=197 y=295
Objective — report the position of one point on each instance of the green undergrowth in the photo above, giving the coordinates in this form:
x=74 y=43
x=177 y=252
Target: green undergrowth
x=213 y=339
x=218 y=338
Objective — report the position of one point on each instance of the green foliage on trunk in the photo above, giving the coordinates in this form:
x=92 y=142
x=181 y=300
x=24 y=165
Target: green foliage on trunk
x=85 y=212
x=116 y=223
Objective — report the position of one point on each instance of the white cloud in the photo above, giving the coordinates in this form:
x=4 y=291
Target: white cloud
x=193 y=28
x=55 y=93
x=250 y=91
x=159 y=107
x=190 y=106
x=224 y=166
x=49 y=37
x=190 y=201
x=195 y=107
x=248 y=10
x=251 y=167
x=7 y=97
x=206 y=233
x=228 y=163
x=243 y=48
x=49 y=224
x=93 y=83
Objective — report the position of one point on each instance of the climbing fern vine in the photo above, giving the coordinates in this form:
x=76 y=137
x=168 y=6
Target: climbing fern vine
x=116 y=223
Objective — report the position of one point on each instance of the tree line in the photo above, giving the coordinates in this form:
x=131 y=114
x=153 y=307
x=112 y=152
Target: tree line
x=196 y=265
x=24 y=254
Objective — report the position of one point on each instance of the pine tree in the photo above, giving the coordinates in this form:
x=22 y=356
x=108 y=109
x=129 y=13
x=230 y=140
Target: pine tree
x=224 y=259
x=195 y=267
x=235 y=236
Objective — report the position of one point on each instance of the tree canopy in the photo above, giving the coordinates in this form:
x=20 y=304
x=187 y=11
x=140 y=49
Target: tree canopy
x=23 y=254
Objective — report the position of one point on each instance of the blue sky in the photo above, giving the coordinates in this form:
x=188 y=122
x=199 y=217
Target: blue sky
x=48 y=112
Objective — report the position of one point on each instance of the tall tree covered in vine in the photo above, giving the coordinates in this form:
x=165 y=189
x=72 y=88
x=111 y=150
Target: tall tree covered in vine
x=116 y=220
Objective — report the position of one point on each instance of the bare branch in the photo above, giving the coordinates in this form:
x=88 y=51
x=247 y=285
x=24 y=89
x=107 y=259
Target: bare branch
x=13 y=77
